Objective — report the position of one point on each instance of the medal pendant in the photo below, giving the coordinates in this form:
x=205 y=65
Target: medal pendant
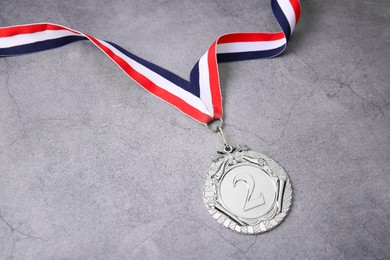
x=246 y=191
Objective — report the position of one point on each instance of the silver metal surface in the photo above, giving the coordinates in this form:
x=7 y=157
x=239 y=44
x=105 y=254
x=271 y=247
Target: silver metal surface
x=246 y=191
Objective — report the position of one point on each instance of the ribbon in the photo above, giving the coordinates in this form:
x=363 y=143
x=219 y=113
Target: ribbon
x=200 y=97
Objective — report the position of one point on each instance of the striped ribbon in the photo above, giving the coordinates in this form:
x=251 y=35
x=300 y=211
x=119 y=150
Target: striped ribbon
x=200 y=97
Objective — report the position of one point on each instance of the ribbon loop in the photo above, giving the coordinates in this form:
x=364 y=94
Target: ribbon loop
x=200 y=97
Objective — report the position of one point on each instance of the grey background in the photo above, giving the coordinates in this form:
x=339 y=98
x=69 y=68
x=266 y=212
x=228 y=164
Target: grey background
x=94 y=167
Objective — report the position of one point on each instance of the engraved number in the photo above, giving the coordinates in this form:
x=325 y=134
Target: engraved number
x=250 y=202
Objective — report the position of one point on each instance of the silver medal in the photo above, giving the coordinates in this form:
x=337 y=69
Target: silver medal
x=246 y=191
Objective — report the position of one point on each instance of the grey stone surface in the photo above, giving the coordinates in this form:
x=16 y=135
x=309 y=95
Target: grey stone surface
x=94 y=167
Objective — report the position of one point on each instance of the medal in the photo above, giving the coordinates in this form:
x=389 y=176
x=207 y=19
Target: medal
x=245 y=191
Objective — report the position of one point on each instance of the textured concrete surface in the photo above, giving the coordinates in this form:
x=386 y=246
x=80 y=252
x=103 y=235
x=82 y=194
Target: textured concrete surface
x=93 y=167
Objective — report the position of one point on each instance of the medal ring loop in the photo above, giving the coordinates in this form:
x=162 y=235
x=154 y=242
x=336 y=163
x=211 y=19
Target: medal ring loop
x=227 y=148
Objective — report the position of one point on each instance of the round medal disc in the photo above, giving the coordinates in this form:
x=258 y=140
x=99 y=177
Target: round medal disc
x=247 y=192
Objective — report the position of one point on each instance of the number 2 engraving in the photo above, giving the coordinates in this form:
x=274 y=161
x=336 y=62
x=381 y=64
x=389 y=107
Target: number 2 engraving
x=250 y=202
